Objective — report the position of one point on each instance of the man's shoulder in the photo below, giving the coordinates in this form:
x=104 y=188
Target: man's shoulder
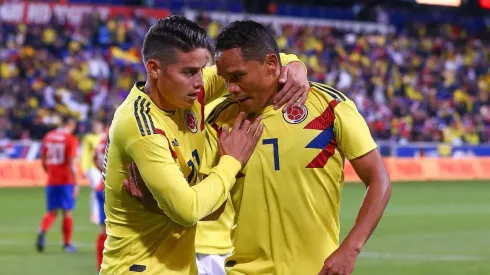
x=134 y=118
x=325 y=93
x=323 y=97
x=47 y=135
x=224 y=111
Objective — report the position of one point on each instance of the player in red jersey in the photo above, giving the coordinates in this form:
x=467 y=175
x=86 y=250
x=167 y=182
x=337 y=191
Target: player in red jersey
x=58 y=153
x=99 y=159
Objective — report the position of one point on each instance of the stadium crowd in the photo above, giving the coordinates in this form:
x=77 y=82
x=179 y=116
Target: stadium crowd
x=426 y=83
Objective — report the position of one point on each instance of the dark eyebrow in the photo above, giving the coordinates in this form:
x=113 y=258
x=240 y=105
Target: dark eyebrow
x=191 y=68
x=194 y=68
x=236 y=72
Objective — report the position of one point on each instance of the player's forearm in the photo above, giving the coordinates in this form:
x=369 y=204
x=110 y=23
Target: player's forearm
x=187 y=205
x=182 y=203
x=219 y=181
x=375 y=200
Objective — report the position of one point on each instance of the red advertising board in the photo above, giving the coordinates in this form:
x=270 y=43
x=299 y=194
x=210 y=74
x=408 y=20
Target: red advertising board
x=485 y=4
x=72 y=14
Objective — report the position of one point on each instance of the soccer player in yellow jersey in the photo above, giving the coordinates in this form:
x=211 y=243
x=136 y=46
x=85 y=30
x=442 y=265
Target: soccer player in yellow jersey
x=160 y=127
x=213 y=241
x=288 y=196
x=89 y=169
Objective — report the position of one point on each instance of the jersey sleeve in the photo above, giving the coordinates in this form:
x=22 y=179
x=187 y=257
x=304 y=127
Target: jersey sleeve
x=184 y=204
x=351 y=131
x=289 y=58
x=215 y=87
x=86 y=153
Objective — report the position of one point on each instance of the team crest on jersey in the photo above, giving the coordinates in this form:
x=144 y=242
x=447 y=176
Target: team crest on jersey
x=295 y=114
x=190 y=120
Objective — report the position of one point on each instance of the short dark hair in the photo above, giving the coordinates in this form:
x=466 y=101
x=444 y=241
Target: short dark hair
x=168 y=34
x=253 y=39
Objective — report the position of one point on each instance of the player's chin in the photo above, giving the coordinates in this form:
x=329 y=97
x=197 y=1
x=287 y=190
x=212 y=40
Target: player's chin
x=247 y=105
x=188 y=102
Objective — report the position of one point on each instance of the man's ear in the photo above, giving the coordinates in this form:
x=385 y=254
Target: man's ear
x=272 y=62
x=153 y=68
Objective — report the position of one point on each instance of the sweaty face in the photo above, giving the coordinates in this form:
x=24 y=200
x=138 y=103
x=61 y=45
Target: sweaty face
x=179 y=83
x=250 y=83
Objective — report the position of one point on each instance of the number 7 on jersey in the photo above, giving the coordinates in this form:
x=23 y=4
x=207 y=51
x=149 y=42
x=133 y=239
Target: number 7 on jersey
x=275 y=148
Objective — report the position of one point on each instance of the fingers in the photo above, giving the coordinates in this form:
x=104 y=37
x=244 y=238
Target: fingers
x=283 y=95
x=246 y=126
x=225 y=131
x=255 y=125
x=130 y=171
x=290 y=99
x=304 y=95
x=303 y=98
x=131 y=184
x=136 y=172
x=284 y=74
x=330 y=269
x=238 y=122
x=126 y=186
x=257 y=136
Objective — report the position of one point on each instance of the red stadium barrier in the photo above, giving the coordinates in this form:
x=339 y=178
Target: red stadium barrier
x=71 y=14
x=24 y=173
x=423 y=169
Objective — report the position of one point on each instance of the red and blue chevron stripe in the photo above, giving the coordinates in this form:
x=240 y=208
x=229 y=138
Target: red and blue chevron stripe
x=326 y=139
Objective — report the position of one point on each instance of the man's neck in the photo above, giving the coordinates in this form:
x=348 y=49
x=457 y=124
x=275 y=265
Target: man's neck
x=273 y=92
x=268 y=102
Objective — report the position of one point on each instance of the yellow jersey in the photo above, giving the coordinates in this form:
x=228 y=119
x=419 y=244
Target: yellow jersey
x=89 y=145
x=213 y=237
x=167 y=149
x=288 y=196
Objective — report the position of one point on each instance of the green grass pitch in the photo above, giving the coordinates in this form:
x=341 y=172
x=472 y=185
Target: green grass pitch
x=428 y=228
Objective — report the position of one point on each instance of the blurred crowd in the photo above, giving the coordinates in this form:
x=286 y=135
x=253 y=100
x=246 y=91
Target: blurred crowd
x=426 y=83
x=54 y=70
x=422 y=84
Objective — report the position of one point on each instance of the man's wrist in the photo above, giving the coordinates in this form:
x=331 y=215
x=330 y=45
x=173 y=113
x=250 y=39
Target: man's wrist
x=353 y=245
x=297 y=62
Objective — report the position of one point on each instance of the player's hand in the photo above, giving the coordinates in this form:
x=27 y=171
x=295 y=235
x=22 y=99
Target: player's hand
x=135 y=185
x=295 y=87
x=138 y=190
x=341 y=262
x=76 y=191
x=240 y=142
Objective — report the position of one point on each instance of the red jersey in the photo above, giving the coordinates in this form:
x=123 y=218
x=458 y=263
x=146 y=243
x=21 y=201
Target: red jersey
x=100 y=155
x=58 y=147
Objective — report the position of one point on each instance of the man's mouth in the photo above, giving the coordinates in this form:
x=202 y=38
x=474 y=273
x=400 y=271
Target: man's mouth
x=238 y=100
